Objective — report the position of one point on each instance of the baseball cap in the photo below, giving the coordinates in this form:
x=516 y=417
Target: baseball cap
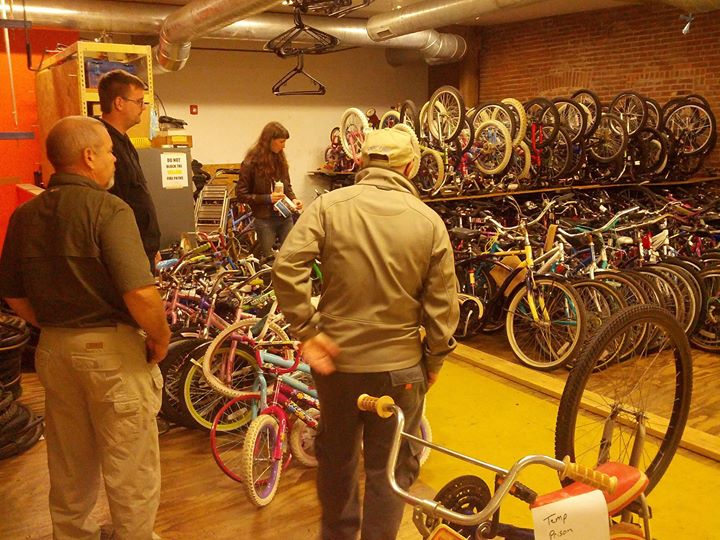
x=388 y=147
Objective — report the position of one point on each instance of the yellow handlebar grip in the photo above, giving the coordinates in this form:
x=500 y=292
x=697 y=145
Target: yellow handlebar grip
x=383 y=405
x=588 y=476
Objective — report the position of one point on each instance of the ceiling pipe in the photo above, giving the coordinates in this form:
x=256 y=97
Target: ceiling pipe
x=433 y=14
x=197 y=19
x=147 y=19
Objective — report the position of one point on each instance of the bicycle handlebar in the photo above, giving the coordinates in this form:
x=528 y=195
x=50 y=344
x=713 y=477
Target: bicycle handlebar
x=385 y=407
x=502 y=228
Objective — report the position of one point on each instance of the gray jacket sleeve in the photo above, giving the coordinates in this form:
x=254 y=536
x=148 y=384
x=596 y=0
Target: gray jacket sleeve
x=441 y=310
x=292 y=269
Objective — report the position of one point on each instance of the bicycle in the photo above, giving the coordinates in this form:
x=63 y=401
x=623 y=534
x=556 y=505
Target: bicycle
x=465 y=508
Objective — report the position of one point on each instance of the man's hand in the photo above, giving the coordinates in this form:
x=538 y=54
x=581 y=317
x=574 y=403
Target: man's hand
x=158 y=258
x=319 y=352
x=432 y=378
x=156 y=352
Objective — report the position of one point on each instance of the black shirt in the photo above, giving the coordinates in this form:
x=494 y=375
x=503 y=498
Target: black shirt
x=131 y=187
x=73 y=251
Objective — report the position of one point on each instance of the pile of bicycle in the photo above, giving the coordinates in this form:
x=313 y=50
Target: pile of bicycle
x=232 y=369
x=509 y=145
x=552 y=272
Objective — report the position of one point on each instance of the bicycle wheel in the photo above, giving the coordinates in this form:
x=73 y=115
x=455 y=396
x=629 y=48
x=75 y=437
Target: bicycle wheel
x=409 y=115
x=494 y=147
x=171 y=368
x=609 y=140
x=229 y=366
x=431 y=173
x=518 y=111
x=389 y=119
x=202 y=402
x=425 y=435
x=543 y=122
x=261 y=472
x=353 y=126
x=591 y=102
x=693 y=126
x=707 y=333
x=302 y=439
x=599 y=415
x=227 y=445
x=559 y=332
x=446 y=113
x=572 y=117
x=631 y=108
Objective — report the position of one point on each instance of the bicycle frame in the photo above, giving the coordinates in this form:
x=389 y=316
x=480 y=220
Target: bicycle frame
x=487 y=519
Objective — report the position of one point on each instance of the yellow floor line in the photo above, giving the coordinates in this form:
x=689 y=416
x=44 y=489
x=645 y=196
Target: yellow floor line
x=489 y=418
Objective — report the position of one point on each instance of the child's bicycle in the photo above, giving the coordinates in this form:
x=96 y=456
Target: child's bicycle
x=465 y=509
x=624 y=421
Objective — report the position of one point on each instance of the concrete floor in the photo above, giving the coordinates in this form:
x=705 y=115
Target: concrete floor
x=492 y=419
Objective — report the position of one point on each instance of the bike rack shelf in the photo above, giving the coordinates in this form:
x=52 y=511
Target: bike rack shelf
x=564 y=189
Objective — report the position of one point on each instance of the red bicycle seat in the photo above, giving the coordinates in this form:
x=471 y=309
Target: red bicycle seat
x=631 y=483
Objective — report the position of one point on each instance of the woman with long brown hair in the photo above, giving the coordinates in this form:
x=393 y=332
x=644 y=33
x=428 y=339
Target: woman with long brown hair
x=264 y=180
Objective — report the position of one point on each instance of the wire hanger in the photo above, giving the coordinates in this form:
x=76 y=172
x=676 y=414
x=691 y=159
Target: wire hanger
x=282 y=45
x=318 y=87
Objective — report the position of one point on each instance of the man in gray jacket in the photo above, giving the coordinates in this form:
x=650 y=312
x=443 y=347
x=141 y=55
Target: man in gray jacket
x=388 y=270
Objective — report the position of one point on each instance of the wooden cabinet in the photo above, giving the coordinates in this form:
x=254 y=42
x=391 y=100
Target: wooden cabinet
x=67 y=85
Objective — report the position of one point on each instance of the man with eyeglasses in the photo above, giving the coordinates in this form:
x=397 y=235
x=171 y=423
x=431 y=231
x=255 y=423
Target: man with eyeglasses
x=122 y=103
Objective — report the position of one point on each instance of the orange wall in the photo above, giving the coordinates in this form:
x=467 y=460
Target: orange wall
x=19 y=159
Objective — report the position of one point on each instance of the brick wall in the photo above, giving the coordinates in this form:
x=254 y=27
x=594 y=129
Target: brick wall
x=636 y=48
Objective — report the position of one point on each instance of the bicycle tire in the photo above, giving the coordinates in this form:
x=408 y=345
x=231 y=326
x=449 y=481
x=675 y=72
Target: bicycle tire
x=541 y=112
x=24 y=442
x=533 y=342
x=632 y=107
x=409 y=115
x=516 y=107
x=655 y=385
x=389 y=119
x=201 y=401
x=425 y=435
x=604 y=145
x=495 y=143
x=260 y=471
x=243 y=376
x=431 y=173
x=227 y=445
x=171 y=368
x=707 y=333
x=302 y=440
x=353 y=126
x=445 y=121
x=591 y=101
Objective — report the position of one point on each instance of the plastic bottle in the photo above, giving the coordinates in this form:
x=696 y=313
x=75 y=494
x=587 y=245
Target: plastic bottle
x=279 y=188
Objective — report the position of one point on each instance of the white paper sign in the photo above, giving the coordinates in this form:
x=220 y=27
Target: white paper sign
x=174 y=170
x=583 y=517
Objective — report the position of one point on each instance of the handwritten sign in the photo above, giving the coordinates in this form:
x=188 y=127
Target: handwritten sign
x=582 y=517
x=174 y=170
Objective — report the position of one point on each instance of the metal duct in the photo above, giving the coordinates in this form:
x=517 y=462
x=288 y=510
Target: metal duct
x=435 y=47
x=433 y=14
x=146 y=19
x=197 y=19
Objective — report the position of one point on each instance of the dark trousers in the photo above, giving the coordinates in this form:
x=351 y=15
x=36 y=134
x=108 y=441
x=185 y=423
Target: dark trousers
x=268 y=229
x=342 y=428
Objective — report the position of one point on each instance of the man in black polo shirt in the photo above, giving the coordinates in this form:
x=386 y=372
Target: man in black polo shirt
x=73 y=264
x=122 y=101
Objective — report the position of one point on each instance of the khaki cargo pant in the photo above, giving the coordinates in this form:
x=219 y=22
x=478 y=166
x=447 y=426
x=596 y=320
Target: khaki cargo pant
x=101 y=399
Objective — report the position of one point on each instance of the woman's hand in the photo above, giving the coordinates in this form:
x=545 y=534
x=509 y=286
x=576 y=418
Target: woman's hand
x=276 y=196
x=298 y=204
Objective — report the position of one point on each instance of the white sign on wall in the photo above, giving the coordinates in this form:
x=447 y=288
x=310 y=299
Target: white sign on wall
x=582 y=517
x=174 y=170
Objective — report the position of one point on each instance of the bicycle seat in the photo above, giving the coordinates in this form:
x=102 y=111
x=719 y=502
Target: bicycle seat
x=631 y=483
x=462 y=233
